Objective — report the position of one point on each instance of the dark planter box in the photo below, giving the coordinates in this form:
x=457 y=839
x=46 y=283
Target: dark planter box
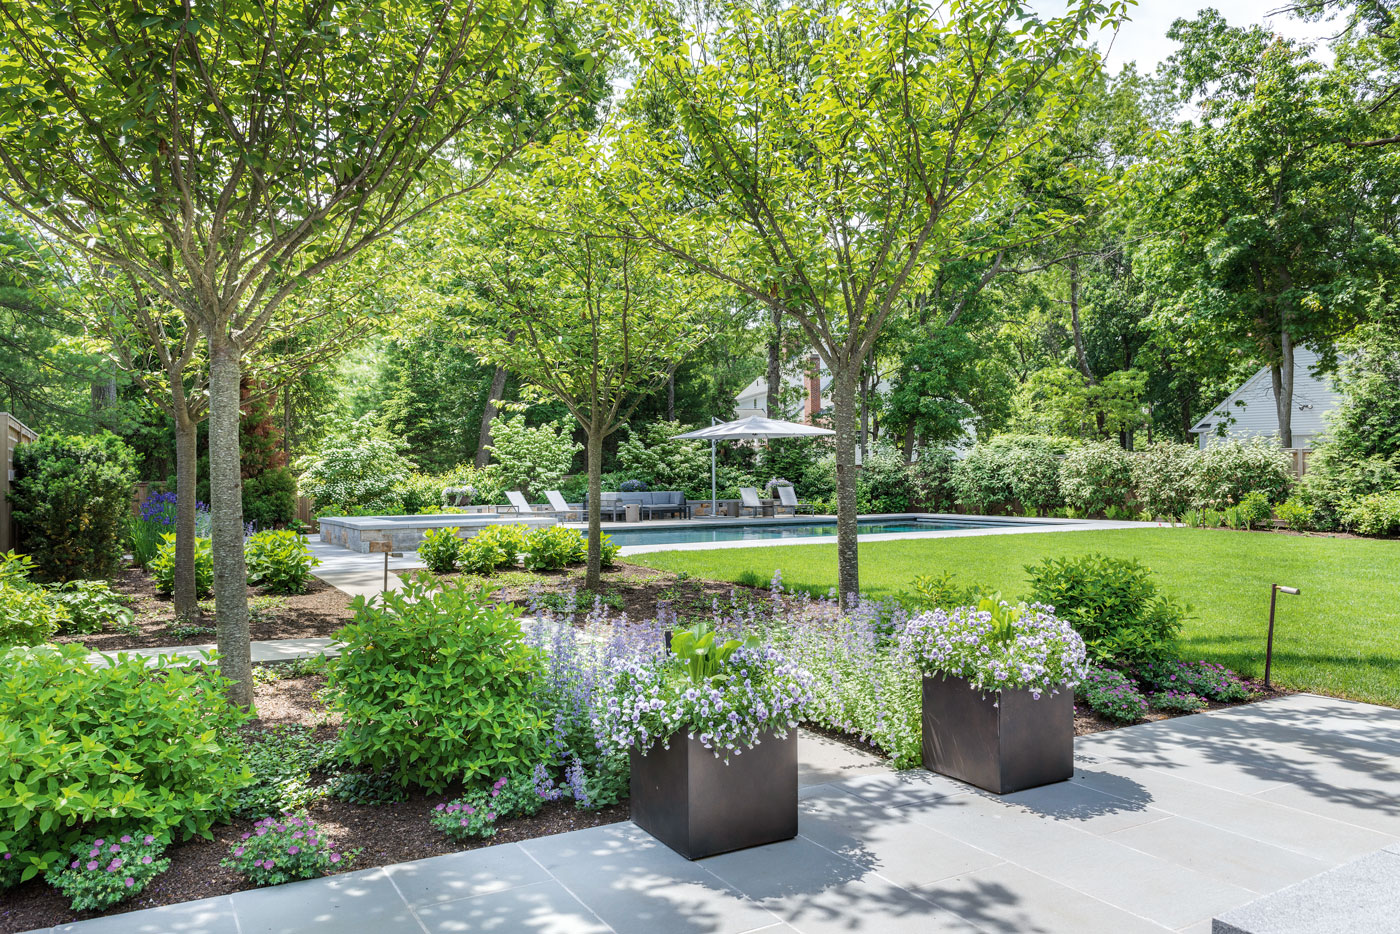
x=698 y=806
x=1002 y=742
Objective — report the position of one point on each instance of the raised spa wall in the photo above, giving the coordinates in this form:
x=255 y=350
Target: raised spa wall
x=405 y=533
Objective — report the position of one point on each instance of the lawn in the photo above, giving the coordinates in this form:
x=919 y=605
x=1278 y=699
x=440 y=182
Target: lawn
x=1340 y=637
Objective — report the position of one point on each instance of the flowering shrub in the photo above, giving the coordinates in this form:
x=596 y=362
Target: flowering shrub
x=1164 y=477
x=359 y=467
x=281 y=849
x=1095 y=477
x=728 y=707
x=1111 y=695
x=1205 y=679
x=997 y=647
x=1229 y=470
x=1177 y=701
x=105 y=870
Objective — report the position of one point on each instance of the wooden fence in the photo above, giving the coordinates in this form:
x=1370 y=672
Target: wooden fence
x=1299 y=457
x=12 y=434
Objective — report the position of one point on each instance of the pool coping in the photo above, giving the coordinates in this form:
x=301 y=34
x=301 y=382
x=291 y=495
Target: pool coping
x=1012 y=525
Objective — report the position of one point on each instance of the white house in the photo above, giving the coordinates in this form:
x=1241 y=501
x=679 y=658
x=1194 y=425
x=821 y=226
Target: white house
x=1249 y=412
x=814 y=381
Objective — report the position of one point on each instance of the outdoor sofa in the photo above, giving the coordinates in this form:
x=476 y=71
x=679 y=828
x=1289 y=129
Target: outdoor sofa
x=653 y=504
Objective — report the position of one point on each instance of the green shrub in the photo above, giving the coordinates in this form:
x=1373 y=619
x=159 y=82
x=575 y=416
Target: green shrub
x=1112 y=604
x=28 y=616
x=72 y=503
x=940 y=592
x=92 y=606
x=882 y=486
x=553 y=547
x=280 y=762
x=92 y=750
x=270 y=498
x=437 y=685
x=1296 y=514
x=609 y=551
x=163 y=566
x=280 y=561
x=493 y=547
x=1205 y=679
x=441 y=549
x=931 y=481
x=1334 y=482
x=1375 y=514
x=1228 y=471
x=1095 y=477
x=1164 y=477
x=1254 y=510
x=1010 y=470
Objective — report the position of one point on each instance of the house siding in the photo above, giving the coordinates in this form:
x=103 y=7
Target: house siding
x=1252 y=406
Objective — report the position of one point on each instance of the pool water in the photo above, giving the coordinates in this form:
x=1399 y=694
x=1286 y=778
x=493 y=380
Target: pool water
x=701 y=531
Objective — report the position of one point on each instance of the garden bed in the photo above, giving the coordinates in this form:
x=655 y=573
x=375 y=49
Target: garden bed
x=319 y=612
x=385 y=833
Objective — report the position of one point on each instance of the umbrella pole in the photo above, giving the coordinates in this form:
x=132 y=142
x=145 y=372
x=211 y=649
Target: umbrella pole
x=714 y=498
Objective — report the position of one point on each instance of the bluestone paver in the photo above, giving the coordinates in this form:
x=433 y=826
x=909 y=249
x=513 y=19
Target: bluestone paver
x=1358 y=898
x=1163 y=827
x=637 y=885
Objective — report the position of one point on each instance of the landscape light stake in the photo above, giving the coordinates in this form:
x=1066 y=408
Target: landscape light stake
x=399 y=554
x=1269 y=651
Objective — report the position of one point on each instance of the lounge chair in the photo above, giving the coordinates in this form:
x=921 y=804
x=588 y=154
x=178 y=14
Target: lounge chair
x=519 y=503
x=787 y=498
x=748 y=499
x=561 y=508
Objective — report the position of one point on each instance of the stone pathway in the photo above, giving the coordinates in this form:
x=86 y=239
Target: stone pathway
x=356 y=574
x=264 y=653
x=1164 y=826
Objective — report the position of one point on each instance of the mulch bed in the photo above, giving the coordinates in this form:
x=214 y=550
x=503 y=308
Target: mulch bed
x=627 y=588
x=318 y=612
x=385 y=833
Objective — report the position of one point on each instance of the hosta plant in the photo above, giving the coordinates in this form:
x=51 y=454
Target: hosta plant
x=103 y=871
x=162 y=566
x=997 y=647
x=281 y=849
x=724 y=693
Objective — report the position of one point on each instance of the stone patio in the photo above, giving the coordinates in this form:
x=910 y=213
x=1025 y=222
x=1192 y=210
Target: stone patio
x=1164 y=827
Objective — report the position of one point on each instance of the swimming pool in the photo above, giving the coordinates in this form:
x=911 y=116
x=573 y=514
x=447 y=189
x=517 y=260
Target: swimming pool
x=701 y=530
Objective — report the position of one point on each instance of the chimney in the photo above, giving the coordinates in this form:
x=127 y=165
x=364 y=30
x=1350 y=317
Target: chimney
x=813 y=403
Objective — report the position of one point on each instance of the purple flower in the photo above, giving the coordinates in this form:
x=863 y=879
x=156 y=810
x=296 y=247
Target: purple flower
x=92 y=864
x=126 y=838
x=130 y=882
x=293 y=850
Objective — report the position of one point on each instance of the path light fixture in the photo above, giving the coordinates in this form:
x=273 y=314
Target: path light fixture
x=387 y=548
x=1269 y=650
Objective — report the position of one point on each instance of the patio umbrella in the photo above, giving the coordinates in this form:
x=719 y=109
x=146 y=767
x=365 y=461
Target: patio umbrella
x=744 y=429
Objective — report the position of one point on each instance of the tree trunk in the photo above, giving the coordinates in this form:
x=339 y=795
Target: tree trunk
x=843 y=401
x=186 y=478
x=909 y=444
x=226 y=501
x=483 y=444
x=1283 y=388
x=775 y=366
x=593 y=578
x=864 y=411
x=671 y=397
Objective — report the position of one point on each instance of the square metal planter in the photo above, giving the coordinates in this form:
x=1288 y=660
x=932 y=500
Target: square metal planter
x=1003 y=742
x=698 y=806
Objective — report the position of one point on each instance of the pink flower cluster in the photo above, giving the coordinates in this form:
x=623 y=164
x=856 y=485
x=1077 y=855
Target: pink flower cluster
x=103 y=871
x=279 y=849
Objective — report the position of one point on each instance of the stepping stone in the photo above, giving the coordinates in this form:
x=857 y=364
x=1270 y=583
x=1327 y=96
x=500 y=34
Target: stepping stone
x=1361 y=897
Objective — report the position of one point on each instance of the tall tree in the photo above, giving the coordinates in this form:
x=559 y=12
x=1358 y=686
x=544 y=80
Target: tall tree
x=845 y=151
x=597 y=320
x=1264 y=237
x=225 y=156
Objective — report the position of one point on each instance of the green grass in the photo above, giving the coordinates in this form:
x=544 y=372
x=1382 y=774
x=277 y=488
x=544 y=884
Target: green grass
x=1341 y=637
